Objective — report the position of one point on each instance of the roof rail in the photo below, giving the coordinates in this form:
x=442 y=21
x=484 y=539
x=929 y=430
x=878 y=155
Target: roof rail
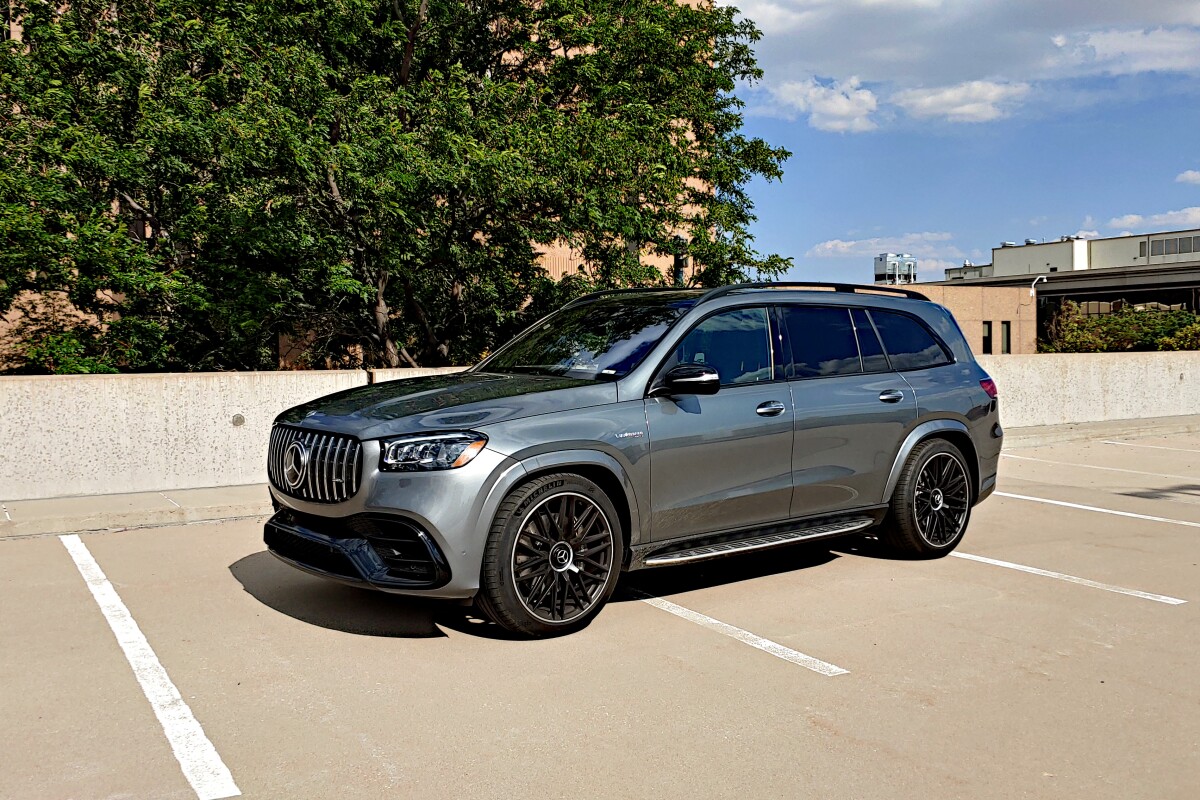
x=591 y=296
x=836 y=287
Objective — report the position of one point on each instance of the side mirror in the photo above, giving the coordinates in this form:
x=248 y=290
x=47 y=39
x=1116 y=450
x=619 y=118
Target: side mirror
x=688 y=379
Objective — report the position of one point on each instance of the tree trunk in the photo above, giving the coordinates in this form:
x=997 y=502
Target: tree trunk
x=391 y=354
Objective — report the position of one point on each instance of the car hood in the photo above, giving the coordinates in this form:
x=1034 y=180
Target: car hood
x=445 y=402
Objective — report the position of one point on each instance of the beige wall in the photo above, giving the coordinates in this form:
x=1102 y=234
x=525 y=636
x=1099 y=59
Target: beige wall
x=560 y=260
x=972 y=305
x=99 y=434
x=1033 y=258
x=1061 y=388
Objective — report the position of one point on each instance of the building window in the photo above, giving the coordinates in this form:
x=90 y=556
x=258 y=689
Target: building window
x=987 y=339
x=1054 y=269
x=1156 y=247
x=1006 y=337
x=1196 y=244
x=1185 y=244
x=1141 y=249
x=1172 y=247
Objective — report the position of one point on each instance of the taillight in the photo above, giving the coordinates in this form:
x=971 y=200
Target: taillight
x=989 y=386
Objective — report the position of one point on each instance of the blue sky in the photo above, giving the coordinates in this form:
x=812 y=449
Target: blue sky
x=943 y=127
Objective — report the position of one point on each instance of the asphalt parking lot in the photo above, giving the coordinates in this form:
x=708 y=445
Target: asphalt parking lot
x=1056 y=655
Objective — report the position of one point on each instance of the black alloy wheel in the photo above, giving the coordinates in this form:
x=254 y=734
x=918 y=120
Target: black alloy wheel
x=563 y=557
x=931 y=505
x=942 y=499
x=552 y=558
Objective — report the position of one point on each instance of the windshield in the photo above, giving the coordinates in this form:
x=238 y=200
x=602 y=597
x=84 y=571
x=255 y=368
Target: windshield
x=602 y=340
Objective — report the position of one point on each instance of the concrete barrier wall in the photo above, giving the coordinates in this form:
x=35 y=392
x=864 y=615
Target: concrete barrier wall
x=381 y=375
x=67 y=435
x=1053 y=389
x=100 y=434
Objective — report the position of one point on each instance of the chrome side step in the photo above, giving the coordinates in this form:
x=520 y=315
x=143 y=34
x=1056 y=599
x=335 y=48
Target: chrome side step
x=707 y=551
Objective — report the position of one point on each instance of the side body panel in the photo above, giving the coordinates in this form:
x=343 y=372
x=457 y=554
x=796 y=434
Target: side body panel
x=717 y=463
x=846 y=438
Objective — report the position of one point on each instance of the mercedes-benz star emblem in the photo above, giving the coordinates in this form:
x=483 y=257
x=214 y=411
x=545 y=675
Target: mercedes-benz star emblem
x=295 y=462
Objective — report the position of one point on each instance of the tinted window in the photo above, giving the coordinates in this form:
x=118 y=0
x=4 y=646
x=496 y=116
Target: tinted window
x=737 y=344
x=909 y=344
x=873 y=357
x=601 y=340
x=822 y=340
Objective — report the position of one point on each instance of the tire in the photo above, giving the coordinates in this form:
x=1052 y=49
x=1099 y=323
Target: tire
x=552 y=557
x=931 y=505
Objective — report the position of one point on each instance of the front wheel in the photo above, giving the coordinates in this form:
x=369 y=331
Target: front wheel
x=932 y=502
x=552 y=557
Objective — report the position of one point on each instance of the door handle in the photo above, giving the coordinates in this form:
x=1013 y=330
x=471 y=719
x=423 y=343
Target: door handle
x=771 y=408
x=891 y=396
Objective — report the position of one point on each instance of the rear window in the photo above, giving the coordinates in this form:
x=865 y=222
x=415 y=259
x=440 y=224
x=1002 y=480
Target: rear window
x=823 y=341
x=909 y=344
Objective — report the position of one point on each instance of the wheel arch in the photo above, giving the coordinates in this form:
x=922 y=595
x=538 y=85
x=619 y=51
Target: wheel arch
x=952 y=431
x=602 y=469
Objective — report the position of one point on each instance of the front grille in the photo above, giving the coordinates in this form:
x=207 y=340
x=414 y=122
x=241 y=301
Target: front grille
x=333 y=469
x=303 y=550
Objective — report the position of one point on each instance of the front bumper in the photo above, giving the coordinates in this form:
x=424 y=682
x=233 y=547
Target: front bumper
x=387 y=552
x=450 y=510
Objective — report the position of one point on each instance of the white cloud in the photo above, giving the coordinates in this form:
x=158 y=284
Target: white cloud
x=925 y=245
x=1082 y=234
x=1188 y=176
x=1128 y=51
x=965 y=61
x=973 y=101
x=843 y=106
x=1183 y=218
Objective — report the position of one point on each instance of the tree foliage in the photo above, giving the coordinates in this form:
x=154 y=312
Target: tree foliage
x=1070 y=331
x=198 y=177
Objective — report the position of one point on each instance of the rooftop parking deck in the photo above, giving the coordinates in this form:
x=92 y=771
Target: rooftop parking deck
x=1054 y=655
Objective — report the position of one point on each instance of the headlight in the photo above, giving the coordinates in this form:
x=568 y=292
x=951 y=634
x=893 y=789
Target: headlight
x=432 y=451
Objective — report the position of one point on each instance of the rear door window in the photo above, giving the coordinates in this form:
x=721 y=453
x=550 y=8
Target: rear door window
x=909 y=344
x=822 y=341
x=873 y=357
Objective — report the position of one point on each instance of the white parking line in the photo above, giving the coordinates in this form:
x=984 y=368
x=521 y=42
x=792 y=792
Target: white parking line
x=745 y=637
x=1106 y=469
x=1130 y=514
x=1158 y=598
x=201 y=765
x=1152 y=447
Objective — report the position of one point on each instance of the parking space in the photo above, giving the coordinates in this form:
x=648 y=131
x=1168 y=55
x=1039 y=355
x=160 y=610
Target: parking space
x=959 y=677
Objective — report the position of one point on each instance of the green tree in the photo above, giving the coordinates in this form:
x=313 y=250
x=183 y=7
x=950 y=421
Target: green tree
x=199 y=177
x=1128 y=329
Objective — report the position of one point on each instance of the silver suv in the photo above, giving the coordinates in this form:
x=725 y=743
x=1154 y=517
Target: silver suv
x=642 y=428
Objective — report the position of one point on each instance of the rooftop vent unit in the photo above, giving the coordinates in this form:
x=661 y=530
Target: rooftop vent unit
x=1008 y=244
x=1031 y=241
x=967 y=262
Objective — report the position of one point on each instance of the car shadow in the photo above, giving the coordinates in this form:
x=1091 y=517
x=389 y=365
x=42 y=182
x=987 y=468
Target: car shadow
x=348 y=609
x=665 y=581
x=366 y=612
x=1167 y=493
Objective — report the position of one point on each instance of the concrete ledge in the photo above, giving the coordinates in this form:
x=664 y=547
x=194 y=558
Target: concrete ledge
x=1037 y=436
x=138 y=510
x=178 y=507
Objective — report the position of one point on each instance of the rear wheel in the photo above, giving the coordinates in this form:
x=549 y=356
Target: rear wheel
x=932 y=502
x=552 y=557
